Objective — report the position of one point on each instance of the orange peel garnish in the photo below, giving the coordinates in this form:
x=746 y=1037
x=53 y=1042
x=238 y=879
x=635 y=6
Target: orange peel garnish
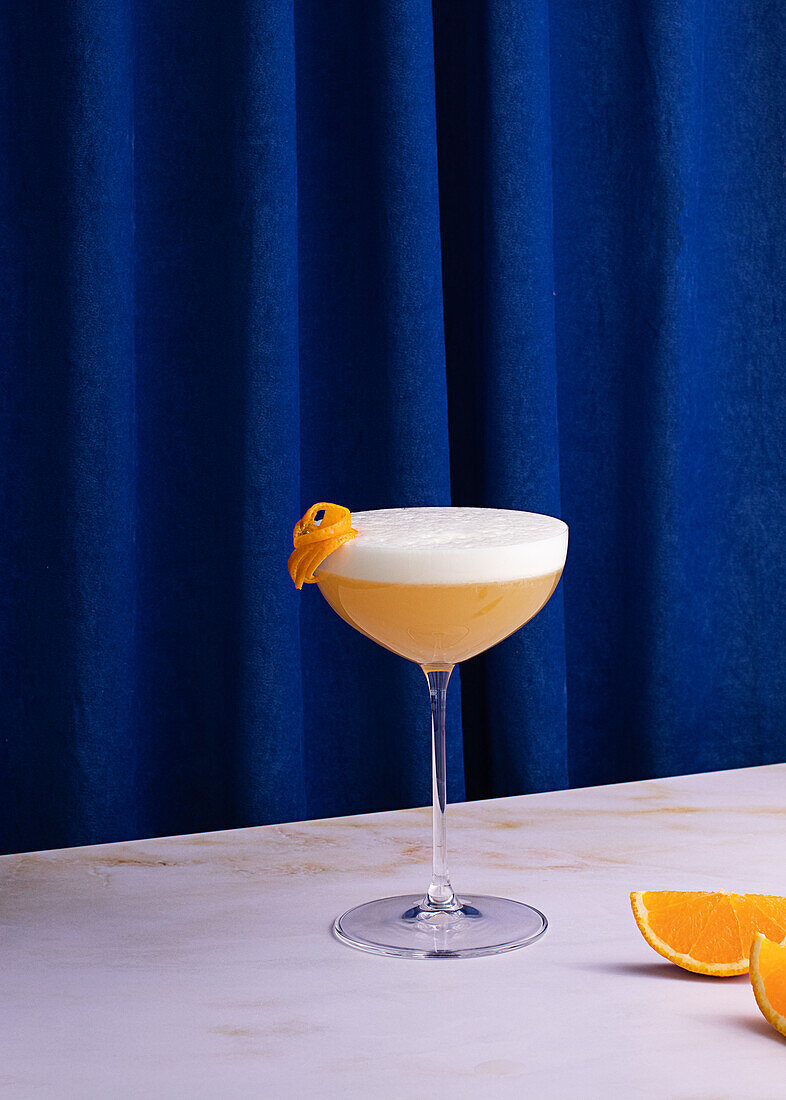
x=313 y=540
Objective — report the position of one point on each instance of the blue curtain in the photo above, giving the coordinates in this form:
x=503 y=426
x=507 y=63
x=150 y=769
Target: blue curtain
x=261 y=253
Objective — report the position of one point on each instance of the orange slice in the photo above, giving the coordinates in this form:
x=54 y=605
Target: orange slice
x=705 y=932
x=768 y=978
x=321 y=530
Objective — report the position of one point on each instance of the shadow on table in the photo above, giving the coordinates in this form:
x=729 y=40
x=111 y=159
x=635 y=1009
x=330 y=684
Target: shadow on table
x=754 y=1024
x=657 y=970
x=758 y=1026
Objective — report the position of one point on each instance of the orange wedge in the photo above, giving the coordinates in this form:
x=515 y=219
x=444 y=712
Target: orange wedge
x=705 y=932
x=768 y=978
x=318 y=533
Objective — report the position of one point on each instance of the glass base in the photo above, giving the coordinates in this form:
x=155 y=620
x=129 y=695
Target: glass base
x=401 y=926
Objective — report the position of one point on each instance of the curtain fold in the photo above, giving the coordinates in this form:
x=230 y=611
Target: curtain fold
x=668 y=119
x=374 y=417
x=71 y=752
x=269 y=773
x=492 y=64
x=514 y=254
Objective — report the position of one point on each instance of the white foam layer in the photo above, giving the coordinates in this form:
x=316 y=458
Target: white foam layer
x=450 y=546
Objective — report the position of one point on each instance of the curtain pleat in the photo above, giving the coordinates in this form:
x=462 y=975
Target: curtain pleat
x=669 y=244
x=69 y=682
x=492 y=65
x=374 y=424
x=522 y=255
x=269 y=773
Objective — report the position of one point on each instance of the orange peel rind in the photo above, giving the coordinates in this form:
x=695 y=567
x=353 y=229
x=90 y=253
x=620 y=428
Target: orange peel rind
x=768 y=978
x=315 y=539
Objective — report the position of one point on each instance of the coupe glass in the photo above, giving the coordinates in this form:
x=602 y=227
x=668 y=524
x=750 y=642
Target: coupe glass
x=437 y=586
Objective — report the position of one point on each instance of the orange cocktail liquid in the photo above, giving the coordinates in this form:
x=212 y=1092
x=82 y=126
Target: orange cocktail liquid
x=437 y=625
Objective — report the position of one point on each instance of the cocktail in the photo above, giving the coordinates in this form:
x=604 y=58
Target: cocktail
x=437 y=586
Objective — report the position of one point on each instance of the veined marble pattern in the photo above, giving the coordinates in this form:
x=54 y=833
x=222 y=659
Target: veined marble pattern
x=203 y=966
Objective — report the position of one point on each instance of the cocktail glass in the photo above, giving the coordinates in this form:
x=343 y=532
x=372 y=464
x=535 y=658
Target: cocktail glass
x=437 y=586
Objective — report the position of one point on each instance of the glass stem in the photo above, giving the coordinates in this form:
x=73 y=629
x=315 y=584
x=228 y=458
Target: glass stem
x=440 y=892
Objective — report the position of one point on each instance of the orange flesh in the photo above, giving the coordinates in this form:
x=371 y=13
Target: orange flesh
x=679 y=924
x=772 y=967
x=436 y=624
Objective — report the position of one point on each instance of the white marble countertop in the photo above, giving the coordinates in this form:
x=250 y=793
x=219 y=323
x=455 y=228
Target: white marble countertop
x=204 y=966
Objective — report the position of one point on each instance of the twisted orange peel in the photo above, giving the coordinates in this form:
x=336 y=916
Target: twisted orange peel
x=313 y=540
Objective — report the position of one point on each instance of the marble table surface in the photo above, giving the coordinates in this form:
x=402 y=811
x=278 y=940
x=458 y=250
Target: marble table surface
x=204 y=966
